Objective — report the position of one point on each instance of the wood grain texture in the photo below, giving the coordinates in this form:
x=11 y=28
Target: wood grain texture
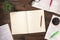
x=5 y=18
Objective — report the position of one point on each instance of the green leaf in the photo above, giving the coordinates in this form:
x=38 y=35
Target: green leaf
x=8 y=6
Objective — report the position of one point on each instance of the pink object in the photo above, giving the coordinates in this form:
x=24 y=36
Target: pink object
x=41 y=21
x=51 y=2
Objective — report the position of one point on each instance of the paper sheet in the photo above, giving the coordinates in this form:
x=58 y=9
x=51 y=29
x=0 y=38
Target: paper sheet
x=18 y=22
x=45 y=5
x=42 y=4
x=34 y=21
x=52 y=29
x=5 y=33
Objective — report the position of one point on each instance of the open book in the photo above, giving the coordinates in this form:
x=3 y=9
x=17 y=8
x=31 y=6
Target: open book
x=23 y=22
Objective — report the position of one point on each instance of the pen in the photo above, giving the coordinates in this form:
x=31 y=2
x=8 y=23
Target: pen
x=51 y=2
x=41 y=21
x=54 y=34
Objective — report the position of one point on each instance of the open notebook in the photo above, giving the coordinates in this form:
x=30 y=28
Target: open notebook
x=23 y=22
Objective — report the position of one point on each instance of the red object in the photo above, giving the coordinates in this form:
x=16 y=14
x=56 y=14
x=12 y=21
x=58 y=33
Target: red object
x=41 y=21
x=51 y=2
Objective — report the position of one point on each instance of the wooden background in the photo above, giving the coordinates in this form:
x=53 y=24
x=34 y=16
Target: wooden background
x=22 y=5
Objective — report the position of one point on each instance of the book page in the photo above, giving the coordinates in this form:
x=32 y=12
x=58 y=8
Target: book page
x=18 y=22
x=36 y=21
x=5 y=33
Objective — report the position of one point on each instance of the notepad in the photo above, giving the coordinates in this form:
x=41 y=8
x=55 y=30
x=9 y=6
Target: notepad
x=5 y=33
x=24 y=22
x=53 y=32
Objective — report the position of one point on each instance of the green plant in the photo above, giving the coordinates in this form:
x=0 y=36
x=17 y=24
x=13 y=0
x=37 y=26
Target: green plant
x=8 y=6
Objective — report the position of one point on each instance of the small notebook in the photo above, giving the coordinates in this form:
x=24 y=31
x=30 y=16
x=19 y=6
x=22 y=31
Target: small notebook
x=53 y=32
x=24 y=22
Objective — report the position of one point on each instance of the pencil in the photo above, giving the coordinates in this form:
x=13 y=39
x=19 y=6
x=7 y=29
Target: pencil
x=54 y=34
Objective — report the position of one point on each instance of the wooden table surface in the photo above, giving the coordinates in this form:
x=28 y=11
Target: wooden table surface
x=5 y=18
